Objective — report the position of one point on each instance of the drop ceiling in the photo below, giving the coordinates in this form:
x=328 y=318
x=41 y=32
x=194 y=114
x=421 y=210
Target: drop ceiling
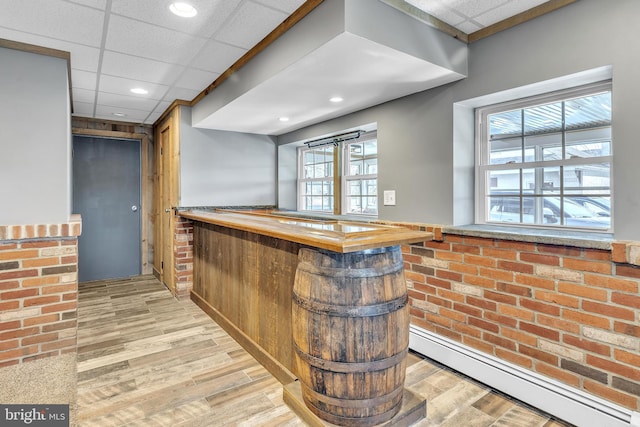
x=116 y=45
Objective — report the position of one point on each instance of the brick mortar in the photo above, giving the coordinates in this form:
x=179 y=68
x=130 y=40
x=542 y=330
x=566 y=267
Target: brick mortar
x=38 y=288
x=565 y=312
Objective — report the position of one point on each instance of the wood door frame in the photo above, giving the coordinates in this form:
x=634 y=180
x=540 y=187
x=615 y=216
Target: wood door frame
x=167 y=195
x=146 y=182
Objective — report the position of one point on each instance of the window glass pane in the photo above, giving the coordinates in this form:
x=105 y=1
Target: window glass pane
x=588 y=143
x=370 y=205
x=543 y=147
x=588 y=179
x=505 y=124
x=354 y=205
x=543 y=118
x=371 y=166
x=327 y=188
x=370 y=187
x=371 y=148
x=308 y=157
x=504 y=209
x=577 y=215
x=599 y=206
x=308 y=171
x=504 y=151
x=589 y=111
x=355 y=167
x=354 y=188
x=504 y=181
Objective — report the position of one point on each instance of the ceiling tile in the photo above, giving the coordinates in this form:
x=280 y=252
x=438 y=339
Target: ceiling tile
x=98 y=4
x=196 y=79
x=125 y=101
x=180 y=93
x=507 y=10
x=83 y=80
x=83 y=95
x=106 y=112
x=136 y=68
x=150 y=41
x=472 y=8
x=250 y=25
x=121 y=86
x=287 y=6
x=82 y=109
x=211 y=14
x=217 y=57
x=82 y=57
x=151 y=119
x=54 y=18
x=468 y=27
x=439 y=10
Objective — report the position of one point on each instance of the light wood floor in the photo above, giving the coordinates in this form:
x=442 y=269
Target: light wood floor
x=146 y=359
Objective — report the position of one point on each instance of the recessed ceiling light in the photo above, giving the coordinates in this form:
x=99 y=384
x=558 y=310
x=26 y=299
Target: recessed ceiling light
x=184 y=10
x=284 y=119
x=118 y=114
x=139 y=91
x=336 y=99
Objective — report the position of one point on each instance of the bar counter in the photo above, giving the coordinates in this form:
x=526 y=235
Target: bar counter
x=280 y=286
x=334 y=235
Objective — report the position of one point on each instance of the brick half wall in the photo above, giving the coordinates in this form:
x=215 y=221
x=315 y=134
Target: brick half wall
x=38 y=291
x=568 y=313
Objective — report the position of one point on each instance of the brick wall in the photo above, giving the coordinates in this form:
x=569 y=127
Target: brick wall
x=38 y=291
x=569 y=313
x=183 y=257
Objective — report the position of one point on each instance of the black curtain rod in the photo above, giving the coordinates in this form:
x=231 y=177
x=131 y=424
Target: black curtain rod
x=334 y=139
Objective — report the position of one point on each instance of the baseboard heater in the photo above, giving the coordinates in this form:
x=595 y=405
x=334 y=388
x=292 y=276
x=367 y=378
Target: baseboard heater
x=553 y=397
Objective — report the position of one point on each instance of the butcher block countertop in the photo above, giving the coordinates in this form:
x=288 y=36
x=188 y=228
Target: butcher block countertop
x=334 y=235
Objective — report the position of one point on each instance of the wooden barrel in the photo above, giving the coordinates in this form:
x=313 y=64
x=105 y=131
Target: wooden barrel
x=351 y=334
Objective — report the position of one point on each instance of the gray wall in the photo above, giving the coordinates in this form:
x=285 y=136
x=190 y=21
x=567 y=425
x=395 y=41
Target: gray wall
x=221 y=168
x=426 y=151
x=35 y=139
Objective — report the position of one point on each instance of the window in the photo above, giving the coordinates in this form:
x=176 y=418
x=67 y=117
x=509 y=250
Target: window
x=361 y=177
x=315 y=180
x=348 y=168
x=546 y=161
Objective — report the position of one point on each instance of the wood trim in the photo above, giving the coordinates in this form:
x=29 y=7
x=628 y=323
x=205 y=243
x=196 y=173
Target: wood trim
x=518 y=19
x=168 y=111
x=146 y=188
x=32 y=48
x=276 y=368
x=287 y=24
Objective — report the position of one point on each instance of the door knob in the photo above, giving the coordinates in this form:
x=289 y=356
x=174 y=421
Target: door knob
x=167 y=210
x=134 y=208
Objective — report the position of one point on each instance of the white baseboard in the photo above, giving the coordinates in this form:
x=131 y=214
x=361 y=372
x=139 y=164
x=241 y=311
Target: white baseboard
x=551 y=396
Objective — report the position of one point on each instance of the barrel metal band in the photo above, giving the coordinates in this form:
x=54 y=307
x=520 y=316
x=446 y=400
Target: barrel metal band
x=351 y=367
x=351 y=310
x=356 y=403
x=308 y=267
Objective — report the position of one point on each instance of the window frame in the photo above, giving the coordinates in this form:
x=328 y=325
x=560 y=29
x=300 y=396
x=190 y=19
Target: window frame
x=483 y=165
x=348 y=178
x=301 y=180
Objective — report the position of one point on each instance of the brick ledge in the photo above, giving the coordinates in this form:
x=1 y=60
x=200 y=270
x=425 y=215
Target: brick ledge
x=72 y=228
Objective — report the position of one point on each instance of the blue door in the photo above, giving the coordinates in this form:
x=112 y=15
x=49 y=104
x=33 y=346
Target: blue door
x=106 y=192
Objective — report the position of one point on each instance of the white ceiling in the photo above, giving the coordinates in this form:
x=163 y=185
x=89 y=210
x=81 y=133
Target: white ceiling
x=470 y=16
x=119 y=44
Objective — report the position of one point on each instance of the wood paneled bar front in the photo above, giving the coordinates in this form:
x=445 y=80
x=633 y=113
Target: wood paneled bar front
x=319 y=300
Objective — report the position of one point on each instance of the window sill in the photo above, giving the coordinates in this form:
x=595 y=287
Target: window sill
x=580 y=239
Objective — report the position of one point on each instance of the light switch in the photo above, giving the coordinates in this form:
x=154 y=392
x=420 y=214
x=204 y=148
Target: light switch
x=389 y=197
